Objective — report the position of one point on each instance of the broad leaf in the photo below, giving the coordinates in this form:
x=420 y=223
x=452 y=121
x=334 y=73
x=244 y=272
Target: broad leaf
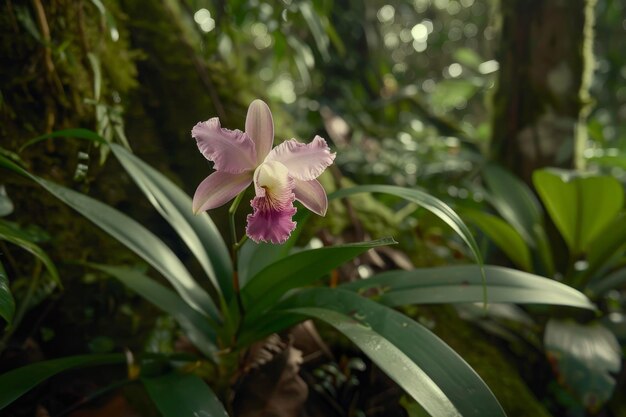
x=503 y=235
x=298 y=270
x=132 y=234
x=7 y=303
x=183 y=395
x=580 y=206
x=11 y=235
x=195 y=324
x=17 y=382
x=421 y=363
x=197 y=231
x=585 y=358
x=463 y=284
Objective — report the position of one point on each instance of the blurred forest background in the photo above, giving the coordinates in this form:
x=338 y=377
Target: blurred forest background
x=420 y=93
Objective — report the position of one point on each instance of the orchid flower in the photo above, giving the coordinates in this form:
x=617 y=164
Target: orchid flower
x=280 y=175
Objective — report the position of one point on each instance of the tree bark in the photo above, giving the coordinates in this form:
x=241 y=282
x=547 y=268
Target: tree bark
x=542 y=99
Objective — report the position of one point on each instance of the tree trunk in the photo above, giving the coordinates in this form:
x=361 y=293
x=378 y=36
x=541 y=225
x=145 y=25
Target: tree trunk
x=542 y=100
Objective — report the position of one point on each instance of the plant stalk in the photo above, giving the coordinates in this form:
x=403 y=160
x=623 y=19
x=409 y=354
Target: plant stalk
x=235 y=249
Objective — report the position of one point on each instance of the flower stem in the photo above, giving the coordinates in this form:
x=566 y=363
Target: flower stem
x=235 y=248
x=231 y=213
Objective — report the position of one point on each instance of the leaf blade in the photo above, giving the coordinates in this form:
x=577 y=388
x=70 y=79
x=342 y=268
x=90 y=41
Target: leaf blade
x=133 y=235
x=8 y=234
x=503 y=235
x=296 y=270
x=17 y=382
x=195 y=325
x=197 y=231
x=183 y=395
x=463 y=284
x=444 y=367
x=7 y=303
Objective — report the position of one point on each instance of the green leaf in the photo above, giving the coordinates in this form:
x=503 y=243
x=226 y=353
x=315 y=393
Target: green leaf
x=17 y=382
x=315 y=26
x=580 y=206
x=197 y=231
x=463 y=284
x=195 y=325
x=451 y=93
x=519 y=207
x=503 y=235
x=79 y=133
x=6 y=205
x=468 y=57
x=614 y=280
x=393 y=361
x=421 y=363
x=183 y=395
x=297 y=270
x=430 y=203
x=97 y=76
x=604 y=247
x=134 y=236
x=514 y=201
x=7 y=303
x=585 y=358
x=15 y=237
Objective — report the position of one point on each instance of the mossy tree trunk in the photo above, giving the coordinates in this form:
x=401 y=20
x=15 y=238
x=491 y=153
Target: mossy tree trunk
x=542 y=98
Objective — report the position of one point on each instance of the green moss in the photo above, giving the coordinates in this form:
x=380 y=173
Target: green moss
x=497 y=371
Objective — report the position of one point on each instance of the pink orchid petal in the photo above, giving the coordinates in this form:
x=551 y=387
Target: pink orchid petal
x=305 y=162
x=260 y=128
x=312 y=195
x=232 y=151
x=219 y=188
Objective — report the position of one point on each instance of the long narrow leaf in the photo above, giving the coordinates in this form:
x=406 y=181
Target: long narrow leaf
x=183 y=395
x=6 y=233
x=79 y=133
x=443 y=376
x=196 y=326
x=392 y=360
x=133 y=235
x=463 y=284
x=7 y=303
x=197 y=231
x=430 y=203
x=614 y=280
x=298 y=270
x=17 y=382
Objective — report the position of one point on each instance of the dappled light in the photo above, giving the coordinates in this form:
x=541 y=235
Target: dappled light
x=289 y=208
